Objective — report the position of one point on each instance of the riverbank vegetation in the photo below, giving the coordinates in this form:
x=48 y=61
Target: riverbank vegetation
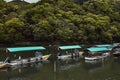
x=60 y=21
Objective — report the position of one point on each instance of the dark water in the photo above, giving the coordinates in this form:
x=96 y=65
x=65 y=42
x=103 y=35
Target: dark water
x=62 y=70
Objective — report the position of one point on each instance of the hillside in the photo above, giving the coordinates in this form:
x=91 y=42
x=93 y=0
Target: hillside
x=60 y=21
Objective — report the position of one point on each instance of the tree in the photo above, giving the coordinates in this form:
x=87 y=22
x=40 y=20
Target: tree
x=13 y=29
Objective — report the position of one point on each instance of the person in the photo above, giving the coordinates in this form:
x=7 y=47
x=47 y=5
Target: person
x=76 y=51
x=29 y=60
x=15 y=57
x=66 y=52
x=38 y=54
x=7 y=60
x=36 y=59
x=58 y=54
x=19 y=57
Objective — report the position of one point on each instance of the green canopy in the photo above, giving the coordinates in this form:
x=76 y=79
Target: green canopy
x=69 y=47
x=17 y=49
x=104 y=45
x=97 y=49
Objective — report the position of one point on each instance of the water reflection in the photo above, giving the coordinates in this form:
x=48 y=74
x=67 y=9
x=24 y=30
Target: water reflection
x=68 y=64
x=81 y=70
x=91 y=66
x=21 y=72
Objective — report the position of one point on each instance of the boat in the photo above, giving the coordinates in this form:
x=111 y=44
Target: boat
x=29 y=60
x=38 y=58
x=68 y=52
x=95 y=57
x=96 y=53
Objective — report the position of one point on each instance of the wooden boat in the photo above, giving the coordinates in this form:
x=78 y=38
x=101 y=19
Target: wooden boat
x=68 y=55
x=29 y=60
x=96 y=53
x=37 y=58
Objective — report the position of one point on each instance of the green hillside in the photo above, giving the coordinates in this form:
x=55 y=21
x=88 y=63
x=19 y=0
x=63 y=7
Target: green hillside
x=60 y=21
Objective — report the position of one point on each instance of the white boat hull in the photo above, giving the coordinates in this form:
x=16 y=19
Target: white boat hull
x=29 y=60
x=64 y=57
x=98 y=57
x=69 y=56
x=94 y=58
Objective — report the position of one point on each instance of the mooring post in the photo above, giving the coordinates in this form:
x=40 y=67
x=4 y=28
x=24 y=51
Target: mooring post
x=55 y=66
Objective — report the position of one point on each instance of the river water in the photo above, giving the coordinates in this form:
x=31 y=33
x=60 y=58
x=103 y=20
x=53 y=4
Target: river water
x=62 y=70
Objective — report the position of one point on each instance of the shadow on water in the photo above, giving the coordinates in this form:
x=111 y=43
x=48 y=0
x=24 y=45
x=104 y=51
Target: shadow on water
x=67 y=64
x=19 y=72
x=81 y=70
x=36 y=71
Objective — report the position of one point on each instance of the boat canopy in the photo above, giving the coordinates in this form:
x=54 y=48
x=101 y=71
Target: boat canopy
x=17 y=49
x=97 y=49
x=69 y=47
x=106 y=45
x=109 y=46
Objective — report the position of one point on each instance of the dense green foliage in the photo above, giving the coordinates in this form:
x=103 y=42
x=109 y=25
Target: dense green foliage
x=60 y=21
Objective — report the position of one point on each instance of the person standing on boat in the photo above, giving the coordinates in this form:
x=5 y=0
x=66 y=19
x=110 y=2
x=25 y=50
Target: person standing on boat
x=15 y=57
x=19 y=57
x=38 y=54
x=7 y=60
x=76 y=52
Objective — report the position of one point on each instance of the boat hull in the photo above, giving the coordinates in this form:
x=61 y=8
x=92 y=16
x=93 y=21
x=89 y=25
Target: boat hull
x=93 y=58
x=3 y=65
x=45 y=57
x=97 y=57
x=29 y=60
x=69 y=56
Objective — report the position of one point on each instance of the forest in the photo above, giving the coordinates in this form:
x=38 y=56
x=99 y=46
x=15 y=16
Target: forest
x=60 y=21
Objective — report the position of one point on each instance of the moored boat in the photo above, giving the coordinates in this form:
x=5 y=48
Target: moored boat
x=29 y=60
x=68 y=52
x=96 y=53
x=38 y=55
